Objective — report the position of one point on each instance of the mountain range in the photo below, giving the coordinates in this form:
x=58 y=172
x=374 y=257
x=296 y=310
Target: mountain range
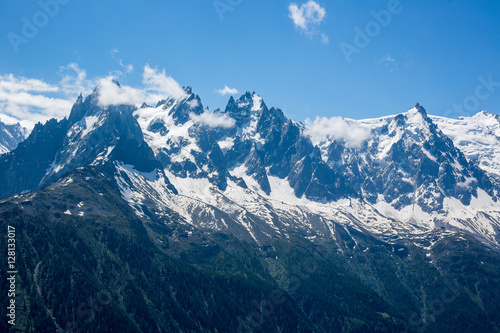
x=243 y=220
x=10 y=136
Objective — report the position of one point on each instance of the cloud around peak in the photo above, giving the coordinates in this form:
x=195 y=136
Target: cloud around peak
x=111 y=93
x=157 y=86
x=30 y=100
x=214 y=119
x=160 y=83
x=322 y=129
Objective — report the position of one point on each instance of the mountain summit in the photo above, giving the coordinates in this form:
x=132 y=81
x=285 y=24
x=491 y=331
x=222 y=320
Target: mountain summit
x=10 y=136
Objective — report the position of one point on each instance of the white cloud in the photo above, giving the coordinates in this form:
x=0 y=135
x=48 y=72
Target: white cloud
x=162 y=84
x=6 y=119
x=335 y=128
x=214 y=119
x=308 y=17
x=74 y=80
x=29 y=100
x=325 y=39
x=158 y=86
x=110 y=93
x=17 y=84
x=227 y=91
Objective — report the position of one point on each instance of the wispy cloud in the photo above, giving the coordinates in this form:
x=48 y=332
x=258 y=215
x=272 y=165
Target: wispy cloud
x=128 y=68
x=159 y=82
x=335 y=128
x=227 y=91
x=308 y=17
x=325 y=39
x=74 y=80
x=214 y=119
x=387 y=60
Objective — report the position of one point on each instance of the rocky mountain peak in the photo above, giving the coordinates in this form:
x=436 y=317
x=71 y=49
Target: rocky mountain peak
x=10 y=136
x=248 y=108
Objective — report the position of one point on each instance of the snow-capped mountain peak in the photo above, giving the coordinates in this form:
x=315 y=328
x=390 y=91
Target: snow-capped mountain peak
x=10 y=136
x=246 y=109
x=478 y=137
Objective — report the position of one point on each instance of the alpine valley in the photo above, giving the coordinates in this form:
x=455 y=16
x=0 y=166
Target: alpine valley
x=174 y=218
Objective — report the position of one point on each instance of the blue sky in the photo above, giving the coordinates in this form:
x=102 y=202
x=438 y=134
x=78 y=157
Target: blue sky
x=440 y=53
